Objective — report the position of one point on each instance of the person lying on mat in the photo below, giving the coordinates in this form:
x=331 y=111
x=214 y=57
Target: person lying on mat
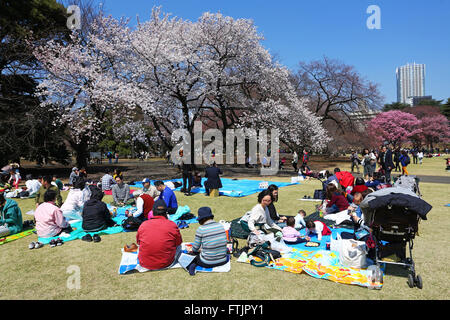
x=259 y=216
x=210 y=243
x=11 y=215
x=96 y=215
x=279 y=220
x=318 y=228
x=121 y=193
x=168 y=196
x=159 y=240
x=73 y=205
x=290 y=234
x=50 y=221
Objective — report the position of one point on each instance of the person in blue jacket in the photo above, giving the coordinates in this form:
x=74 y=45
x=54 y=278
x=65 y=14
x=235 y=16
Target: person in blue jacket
x=11 y=215
x=168 y=196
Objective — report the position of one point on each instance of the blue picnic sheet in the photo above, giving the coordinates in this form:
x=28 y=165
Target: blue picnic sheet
x=230 y=187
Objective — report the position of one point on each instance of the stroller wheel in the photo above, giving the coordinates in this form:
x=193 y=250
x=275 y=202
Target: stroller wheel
x=411 y=280
x=419 y=283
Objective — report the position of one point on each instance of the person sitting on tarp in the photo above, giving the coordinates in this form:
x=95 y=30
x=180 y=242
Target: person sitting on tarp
x=57 y=182
x=196 y=180
x=73 y=205
x=121 y=193
x=107 y=181
x=149 y=189
x=33 y=186
x=337 y=202
x=168 y=196
x=210 y=243
x=11 y=215
x=50 y=221
x=290 y=234
x=259 y=216
x=144 y=205
x=159 y=240
x=213 y=178
x=96 y=215
x=46 y=182
x=279 y=220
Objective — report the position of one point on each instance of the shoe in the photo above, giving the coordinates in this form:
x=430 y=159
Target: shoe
x=87 y=238
x=309 y=197
x=96 y=238
x=52 y=243
x=191 y=269
x=38 y=245
x=59 y=242
x=130 y=248
x=31 y=245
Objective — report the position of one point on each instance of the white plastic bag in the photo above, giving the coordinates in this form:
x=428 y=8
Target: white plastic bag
x=335 y=245
x=352 y=253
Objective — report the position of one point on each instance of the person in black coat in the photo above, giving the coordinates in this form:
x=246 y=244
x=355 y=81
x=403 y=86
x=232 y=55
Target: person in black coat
x=387 y=163
x=96 y=215
x=213 y=178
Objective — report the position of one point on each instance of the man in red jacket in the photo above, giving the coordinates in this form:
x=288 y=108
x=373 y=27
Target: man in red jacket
x=159 y=240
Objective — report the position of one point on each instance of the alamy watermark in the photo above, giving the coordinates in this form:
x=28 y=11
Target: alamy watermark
x=74 y=20
x=374 y=20
x=214 y=151
x=74 y=280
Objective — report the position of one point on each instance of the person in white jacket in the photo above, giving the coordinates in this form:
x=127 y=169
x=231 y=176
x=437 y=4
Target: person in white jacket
x=73 y=206
x=259 y=216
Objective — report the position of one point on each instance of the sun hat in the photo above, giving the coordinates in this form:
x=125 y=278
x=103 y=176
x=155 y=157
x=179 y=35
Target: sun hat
x=204 y=212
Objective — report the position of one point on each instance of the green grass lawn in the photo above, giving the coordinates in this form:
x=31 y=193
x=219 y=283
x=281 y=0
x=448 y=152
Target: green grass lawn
x=42 y=273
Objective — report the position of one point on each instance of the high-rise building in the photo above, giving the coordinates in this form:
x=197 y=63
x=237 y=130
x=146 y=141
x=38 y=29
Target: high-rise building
x=410 y=82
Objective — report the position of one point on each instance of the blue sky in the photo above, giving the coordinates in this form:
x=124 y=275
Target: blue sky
x=301 y=30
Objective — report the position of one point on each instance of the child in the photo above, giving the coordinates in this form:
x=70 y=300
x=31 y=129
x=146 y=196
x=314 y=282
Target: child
x=290 y=234
x=300 y=219
x=317 y=227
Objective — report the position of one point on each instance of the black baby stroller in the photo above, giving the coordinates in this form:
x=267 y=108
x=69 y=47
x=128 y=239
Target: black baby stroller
x=393 y=214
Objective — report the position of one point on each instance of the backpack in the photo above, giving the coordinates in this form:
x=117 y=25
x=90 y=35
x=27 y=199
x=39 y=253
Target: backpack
x=407 y=160
x=264 y=253
x=131 y=224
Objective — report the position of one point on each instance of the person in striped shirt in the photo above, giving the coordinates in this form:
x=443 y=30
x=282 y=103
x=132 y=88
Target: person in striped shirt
x=210 y=243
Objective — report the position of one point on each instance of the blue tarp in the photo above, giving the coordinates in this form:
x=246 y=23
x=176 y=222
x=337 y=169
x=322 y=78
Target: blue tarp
x=231 y=187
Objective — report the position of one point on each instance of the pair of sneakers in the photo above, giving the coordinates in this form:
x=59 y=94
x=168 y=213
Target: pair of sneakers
x=56 y=242
x=306 y=197
x=182 y=225
x=35 y=245
x=89 y=238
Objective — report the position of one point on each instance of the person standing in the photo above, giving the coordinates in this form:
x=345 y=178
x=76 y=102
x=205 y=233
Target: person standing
x=73 y=175
x=117 y=157
x=213 y=178
x=404 y=160
x=305 y=157
x=186 y=169
x=397 y=155
x=414 y=154
x=355 y=161
x=420 y=156
x=388 y=165
x=295 y=161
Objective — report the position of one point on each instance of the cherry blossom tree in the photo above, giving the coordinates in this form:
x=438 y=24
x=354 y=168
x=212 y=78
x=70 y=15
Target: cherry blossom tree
x=394 y=127
x=434 y=129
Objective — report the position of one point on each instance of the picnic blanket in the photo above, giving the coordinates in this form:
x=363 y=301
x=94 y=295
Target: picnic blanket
x=447 y=205
x=78 y=231
x=130 y=263
x=120 y=211
x=16 y=236
x=231 y=187
x=321 y=263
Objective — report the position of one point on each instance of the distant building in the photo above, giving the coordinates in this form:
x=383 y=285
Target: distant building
x=417 y=100
x=410 y=82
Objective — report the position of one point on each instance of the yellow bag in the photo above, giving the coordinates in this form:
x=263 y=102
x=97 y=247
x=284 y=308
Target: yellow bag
x=214 y=193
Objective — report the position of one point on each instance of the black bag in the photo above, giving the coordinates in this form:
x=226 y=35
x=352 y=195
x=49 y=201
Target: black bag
x=237 y=231
x=131 y=224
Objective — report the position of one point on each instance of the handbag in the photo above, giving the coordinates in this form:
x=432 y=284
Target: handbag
x=352 y=253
